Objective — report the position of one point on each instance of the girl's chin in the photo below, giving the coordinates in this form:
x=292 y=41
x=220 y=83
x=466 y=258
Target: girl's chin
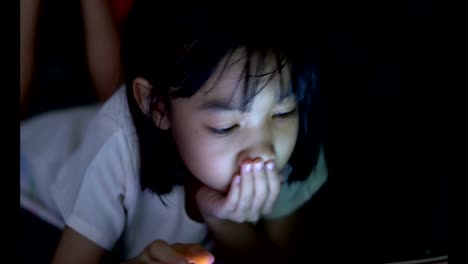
x=220 y=187
x=224 y=189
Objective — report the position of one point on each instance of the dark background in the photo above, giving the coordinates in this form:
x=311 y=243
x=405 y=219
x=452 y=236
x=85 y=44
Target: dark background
x=387 y=195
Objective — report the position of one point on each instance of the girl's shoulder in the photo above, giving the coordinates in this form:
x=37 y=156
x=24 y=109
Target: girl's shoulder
x=61 y=148
x=64 y=131
x=108 y=133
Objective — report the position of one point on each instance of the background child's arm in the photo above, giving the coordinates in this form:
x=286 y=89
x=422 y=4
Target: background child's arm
x=102 y=46
x=74 y=248
x=28 y=31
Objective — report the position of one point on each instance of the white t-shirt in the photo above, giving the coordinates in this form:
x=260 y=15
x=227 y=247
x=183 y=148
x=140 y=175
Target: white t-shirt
x=80 y=167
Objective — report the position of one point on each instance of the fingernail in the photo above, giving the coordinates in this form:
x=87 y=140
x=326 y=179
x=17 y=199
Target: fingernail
x=248 y=167
x=270 y=165
x=237 y=180
x=259 y=166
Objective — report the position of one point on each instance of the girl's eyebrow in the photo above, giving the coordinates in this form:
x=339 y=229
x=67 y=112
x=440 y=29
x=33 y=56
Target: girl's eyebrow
x=219 y=105
x=285 y=98
x=223 y=105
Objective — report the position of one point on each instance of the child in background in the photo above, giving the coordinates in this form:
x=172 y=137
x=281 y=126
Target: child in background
x=90 y=27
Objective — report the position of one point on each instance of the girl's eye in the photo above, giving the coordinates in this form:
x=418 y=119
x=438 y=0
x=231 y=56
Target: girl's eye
x=285 y=114
x=223 y=131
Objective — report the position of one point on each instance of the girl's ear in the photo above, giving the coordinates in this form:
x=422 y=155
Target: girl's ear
x=142 y=91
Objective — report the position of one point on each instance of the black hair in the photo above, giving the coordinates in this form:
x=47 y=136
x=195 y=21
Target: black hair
x=178 y=47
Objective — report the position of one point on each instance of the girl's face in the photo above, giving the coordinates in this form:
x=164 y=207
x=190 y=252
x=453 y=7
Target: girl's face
x=214 y=136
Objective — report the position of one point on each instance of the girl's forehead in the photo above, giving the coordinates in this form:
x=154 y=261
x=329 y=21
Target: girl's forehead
x=229 y=78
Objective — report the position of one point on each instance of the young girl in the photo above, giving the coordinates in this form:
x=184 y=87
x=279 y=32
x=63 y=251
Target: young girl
x=216 y=136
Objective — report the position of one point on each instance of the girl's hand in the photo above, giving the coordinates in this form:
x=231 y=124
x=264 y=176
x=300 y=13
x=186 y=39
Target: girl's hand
x=251 y=194
x=160 y=252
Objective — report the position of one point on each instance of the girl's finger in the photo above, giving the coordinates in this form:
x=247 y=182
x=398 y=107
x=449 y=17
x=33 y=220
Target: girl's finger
x=232 y=198
x=161 y=251
x=195 y=253
x=274 y=183
x=246 y=188
x=260 y=191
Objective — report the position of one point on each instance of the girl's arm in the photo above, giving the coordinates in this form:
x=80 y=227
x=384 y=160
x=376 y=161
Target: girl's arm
x=284 y=233
x=75 y=248
x=273 y=241
x=232 y=218
x=102 y=47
